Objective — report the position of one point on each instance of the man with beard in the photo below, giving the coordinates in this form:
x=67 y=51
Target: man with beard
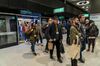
x=82 y=28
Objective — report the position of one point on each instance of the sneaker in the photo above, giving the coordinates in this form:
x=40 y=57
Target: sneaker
x=35 y=54
x=82 y=61
x=92 y=51
x=42 y=45
x=60 y=61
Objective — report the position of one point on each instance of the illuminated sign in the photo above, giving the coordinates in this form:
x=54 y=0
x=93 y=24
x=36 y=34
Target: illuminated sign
x=59 y=10
x=61 y=17
x=86 y=15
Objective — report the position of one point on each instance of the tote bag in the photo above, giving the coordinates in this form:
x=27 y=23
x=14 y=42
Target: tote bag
x=74 y=50
x=50 y=45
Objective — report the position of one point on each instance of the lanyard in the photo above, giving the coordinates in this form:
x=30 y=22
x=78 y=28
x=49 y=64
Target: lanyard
x=56 y=28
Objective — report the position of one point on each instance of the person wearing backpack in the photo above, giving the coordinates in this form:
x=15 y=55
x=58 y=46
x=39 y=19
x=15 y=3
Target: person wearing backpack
x=93 y=32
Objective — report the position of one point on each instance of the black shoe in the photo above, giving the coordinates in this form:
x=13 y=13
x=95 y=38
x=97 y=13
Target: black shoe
x=82 y=61
x=52 y=58
x=35 y=54
x=42 y=45
x=88 y=50
x=60 y=61
x=92 y=51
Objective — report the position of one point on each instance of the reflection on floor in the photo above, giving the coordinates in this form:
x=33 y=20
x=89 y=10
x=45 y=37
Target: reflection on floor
x=21 y=55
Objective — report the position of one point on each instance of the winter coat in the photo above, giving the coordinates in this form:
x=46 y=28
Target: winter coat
x=73 y=33
x=33 y=34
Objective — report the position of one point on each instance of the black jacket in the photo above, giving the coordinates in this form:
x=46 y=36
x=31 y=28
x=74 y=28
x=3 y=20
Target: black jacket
x=93 y=31
x=52 y=32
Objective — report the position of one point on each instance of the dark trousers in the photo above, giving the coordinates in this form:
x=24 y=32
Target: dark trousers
x=40 y=38
x=91 y=42
x=57 y=44
x=24 y=35
x=33 y=46
x=83 y=47
x=73 y=62
x=68 y=39
x=86 y=40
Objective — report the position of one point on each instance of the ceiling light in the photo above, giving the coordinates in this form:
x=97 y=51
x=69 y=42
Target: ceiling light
x=81 y=3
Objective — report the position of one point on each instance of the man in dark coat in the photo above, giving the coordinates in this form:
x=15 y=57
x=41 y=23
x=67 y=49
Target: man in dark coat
x=82 y=28
x=55 y=36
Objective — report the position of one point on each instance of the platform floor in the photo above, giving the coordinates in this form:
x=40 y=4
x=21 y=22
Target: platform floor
x=21 y=55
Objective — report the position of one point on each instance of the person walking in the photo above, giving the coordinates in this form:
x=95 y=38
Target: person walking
x=25 y=28
x=38 y=25
x=33 y=32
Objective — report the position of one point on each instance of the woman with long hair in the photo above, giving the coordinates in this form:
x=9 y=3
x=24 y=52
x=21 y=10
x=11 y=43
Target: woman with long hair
x=74 y=32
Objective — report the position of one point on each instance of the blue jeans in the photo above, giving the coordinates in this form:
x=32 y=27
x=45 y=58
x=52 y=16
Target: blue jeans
x=24 y=36
x=83 y=47
x=33 y=47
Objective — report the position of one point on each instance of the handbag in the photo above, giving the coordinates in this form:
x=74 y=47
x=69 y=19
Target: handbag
x=74 y=50
x=50 y=45
x=62 y=48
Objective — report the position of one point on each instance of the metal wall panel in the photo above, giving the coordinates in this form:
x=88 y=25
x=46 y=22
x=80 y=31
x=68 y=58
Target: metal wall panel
x=39 y=8
x=18 y=4
x=4 y=3
x=49 y=3
x=68 y=8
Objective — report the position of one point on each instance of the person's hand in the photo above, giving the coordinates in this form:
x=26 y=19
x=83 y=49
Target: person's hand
x=34 y=35
x=50 y=40
x=73 y=42
x=47 y=25
x=80 y=34
x=81 y=37
x=31 y=29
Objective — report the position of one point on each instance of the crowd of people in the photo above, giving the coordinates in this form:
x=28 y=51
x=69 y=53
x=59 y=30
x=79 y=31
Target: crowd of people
x=25 y=27
x=87 y=32
x=80 y=31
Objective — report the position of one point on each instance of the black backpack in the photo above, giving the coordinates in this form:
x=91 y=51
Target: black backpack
x=94 y=31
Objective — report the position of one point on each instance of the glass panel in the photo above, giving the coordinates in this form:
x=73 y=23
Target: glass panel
x=8 y=28
x=2 y=25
